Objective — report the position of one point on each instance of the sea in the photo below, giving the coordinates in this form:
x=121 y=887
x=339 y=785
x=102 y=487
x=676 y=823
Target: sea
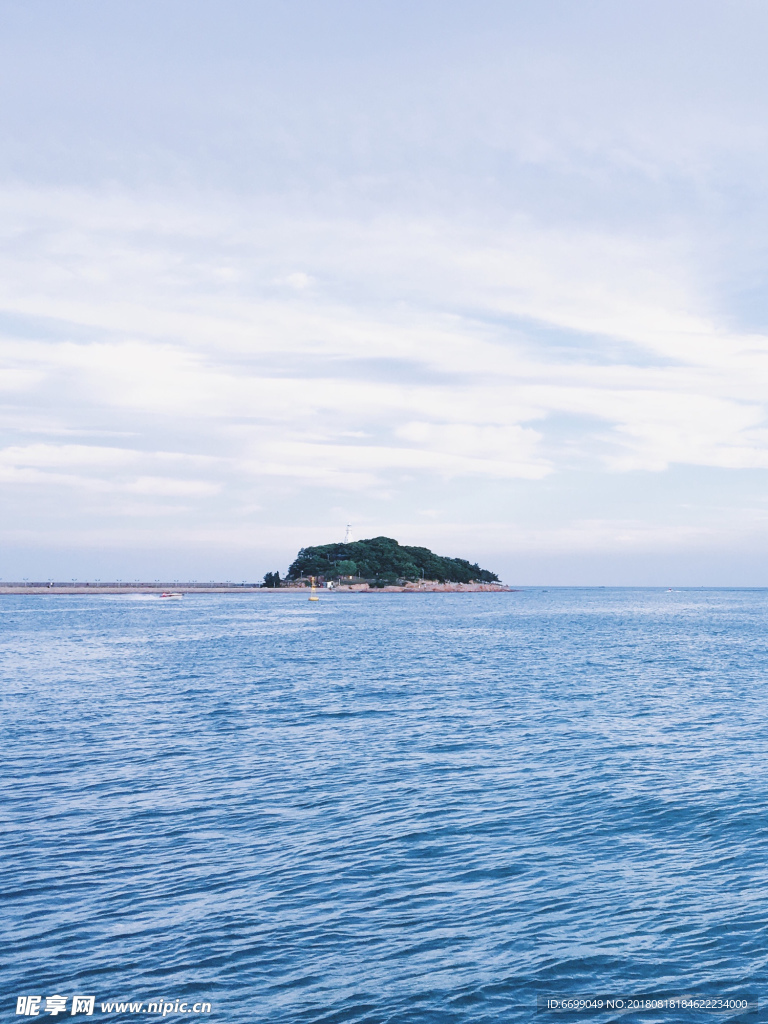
x=386 y=808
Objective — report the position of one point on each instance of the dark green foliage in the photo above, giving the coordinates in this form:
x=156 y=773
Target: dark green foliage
x=383 y=559
x=272 y=579
x=346 y=567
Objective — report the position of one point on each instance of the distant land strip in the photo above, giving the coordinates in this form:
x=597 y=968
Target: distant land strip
x=98 y=587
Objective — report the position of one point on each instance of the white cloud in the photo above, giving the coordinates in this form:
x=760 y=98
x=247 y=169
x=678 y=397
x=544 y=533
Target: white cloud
x=67 y=456
x=262 y=385
x=156 y=485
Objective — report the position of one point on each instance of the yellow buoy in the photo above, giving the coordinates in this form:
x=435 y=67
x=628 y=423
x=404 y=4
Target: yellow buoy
x=312 y=595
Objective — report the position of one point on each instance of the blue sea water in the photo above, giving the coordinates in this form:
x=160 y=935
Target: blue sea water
x=385 y=808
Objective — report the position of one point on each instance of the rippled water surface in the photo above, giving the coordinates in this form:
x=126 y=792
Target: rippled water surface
x=385 y=808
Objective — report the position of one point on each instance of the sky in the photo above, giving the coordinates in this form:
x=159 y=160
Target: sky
x=487 y=277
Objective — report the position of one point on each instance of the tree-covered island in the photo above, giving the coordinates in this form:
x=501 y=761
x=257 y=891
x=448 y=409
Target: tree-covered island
x=381 y=561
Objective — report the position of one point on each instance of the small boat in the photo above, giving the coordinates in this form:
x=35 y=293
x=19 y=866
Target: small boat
x=171 y=595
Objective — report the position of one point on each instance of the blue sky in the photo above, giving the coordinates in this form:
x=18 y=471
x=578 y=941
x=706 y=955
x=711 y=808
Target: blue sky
x=487 y=277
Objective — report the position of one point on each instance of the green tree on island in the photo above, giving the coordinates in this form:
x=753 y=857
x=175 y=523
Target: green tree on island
x=383 y=560
x=346 y=567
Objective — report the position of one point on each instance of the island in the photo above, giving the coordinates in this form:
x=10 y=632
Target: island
x=375 y=565
x=382 y=563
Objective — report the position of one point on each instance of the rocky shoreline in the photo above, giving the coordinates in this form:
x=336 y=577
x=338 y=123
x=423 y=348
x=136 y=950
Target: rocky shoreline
x=427 y=588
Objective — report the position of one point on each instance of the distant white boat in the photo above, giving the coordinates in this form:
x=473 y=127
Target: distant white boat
x=171 y=595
